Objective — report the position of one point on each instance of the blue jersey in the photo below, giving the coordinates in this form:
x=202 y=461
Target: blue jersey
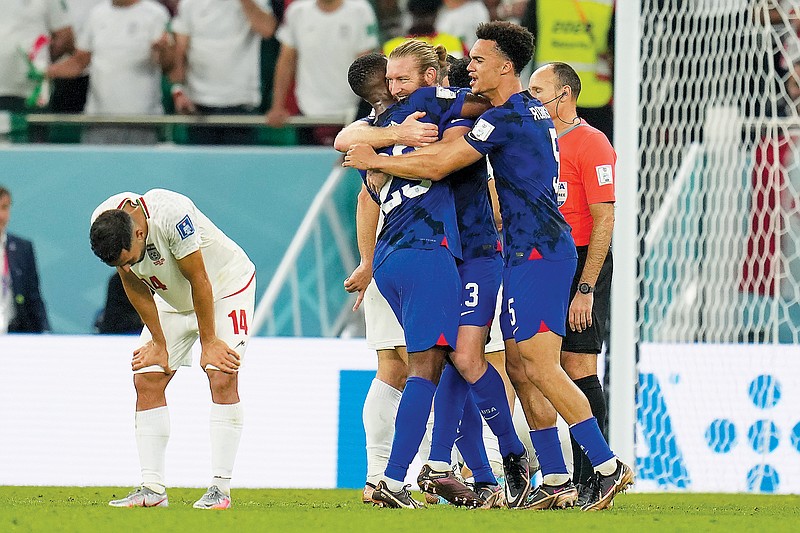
x=475 y=217
x=520 y=140
x=418 y=215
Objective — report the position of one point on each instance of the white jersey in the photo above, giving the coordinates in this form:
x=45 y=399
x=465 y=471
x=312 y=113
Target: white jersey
x=223 y=61
x=326 y=44
x=123 y=78
x=175 y=229
x=462 y=21
x=21 y=24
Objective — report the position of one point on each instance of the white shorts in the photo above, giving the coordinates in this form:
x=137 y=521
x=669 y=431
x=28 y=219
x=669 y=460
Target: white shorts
x=383 y=329
x=232 y=316
x=496 y=343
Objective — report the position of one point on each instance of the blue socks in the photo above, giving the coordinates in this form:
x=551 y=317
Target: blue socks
x=410 y=425
x=490 y=397
x=470 y=443
x=447 y=408
x=548 y=451
x=592 y=442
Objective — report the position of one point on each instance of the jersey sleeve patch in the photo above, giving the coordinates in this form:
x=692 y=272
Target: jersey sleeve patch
x=185 y=227
x=481 y=130
x=605 y=174
x=444 y=92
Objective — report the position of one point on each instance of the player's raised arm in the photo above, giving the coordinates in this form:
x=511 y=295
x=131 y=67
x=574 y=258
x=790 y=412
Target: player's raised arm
x=432 y=162
x=214 y=351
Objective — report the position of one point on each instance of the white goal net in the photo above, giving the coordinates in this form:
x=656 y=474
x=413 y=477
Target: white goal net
x=718 y=259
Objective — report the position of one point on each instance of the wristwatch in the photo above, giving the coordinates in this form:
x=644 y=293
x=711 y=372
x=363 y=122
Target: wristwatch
x=585 y=288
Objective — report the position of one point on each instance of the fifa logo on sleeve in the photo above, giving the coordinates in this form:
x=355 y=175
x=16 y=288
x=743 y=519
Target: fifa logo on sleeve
x=185 y=227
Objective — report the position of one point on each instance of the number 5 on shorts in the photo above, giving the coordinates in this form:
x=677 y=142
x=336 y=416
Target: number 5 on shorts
x=512 y=315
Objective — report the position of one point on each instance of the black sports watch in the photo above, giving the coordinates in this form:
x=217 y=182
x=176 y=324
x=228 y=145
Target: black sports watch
x=585 y=288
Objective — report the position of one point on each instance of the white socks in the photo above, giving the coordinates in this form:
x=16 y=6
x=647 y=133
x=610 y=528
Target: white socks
x=379 y=414
x=152 y=435
x=226 y=431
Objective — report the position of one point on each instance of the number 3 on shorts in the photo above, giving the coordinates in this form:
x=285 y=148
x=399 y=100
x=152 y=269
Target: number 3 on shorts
x=473 y=294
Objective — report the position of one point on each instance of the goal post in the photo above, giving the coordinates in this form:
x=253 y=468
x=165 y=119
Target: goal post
x=705 y=331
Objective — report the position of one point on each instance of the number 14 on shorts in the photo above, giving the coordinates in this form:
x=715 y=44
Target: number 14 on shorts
x=239 y=319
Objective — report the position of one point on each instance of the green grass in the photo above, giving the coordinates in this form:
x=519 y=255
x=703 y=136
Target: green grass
x=333 y=511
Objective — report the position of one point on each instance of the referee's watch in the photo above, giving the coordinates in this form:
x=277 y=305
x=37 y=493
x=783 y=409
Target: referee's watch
x=585 y=288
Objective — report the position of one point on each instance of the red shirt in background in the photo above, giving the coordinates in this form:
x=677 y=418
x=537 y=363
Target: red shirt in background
x=586 y=176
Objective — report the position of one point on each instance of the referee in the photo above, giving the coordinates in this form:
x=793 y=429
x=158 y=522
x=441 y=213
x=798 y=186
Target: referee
x=586 y=199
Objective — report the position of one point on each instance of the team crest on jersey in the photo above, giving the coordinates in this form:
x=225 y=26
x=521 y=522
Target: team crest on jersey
x=605 y=174
x=185 y=227
x=481 y=130
x=153 y=253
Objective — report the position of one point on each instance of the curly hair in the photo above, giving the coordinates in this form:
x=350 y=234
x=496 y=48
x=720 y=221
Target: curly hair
x=363 y=70
x=457 y=72
x=512 y=40
x=110 y=234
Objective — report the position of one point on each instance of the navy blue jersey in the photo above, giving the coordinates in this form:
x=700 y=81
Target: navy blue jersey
x=520 y=140
x=475 y=217
x=418 y=214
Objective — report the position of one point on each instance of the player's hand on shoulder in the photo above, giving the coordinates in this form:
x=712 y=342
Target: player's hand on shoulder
x=412 y=132
x=151 y=354
x=219 y=355
x=360 y=156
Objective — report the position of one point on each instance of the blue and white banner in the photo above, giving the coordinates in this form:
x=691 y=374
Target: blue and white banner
x=719 y=418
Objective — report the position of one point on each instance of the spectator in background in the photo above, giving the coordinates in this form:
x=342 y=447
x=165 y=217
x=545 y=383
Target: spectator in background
x=118 y=317
x=126 y=46
x=580 y=33
x=26 y=29
x=319 y=39
x=218 y=63
x=423 y=19
x=21 y=305
x=69 y=94
x=461 y=18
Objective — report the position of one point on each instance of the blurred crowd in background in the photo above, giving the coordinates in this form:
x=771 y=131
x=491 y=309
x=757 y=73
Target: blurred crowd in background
x=276 y=58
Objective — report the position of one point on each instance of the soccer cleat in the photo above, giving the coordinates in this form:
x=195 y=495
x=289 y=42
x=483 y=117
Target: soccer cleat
x=213 y=499
x=446 y=485
x=518 y=479
x=553 y=497
x=366 y=495
x=142 y=497
x=401 y=499
x=586 y=491
x=608 y=487
x=493 y=496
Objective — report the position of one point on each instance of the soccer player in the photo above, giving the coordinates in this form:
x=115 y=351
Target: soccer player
x=411 y=66
x=519 y=137
x=186 y=280
x=586 y=199
x=385 y=336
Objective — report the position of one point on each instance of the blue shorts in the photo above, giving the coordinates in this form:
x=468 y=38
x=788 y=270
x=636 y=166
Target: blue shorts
x=423 y=289
x=536 y=298
x=480 y=281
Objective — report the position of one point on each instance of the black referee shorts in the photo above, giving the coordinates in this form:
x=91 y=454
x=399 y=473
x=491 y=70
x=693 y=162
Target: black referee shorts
x=590 y=340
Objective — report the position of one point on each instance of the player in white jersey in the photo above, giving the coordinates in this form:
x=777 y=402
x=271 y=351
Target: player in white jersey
x=187 y=280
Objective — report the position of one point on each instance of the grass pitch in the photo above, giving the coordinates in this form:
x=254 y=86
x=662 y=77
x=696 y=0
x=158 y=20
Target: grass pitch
x=332 y=511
